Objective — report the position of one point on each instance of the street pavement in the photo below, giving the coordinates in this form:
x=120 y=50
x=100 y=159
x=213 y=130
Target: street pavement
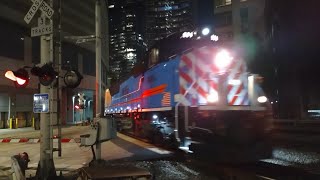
x=123 y=148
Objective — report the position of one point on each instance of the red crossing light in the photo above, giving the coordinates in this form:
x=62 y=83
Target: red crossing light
x=19 y=77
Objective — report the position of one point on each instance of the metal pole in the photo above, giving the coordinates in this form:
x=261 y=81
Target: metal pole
x=46 y=167
x=46 y=159
x=59 y=91
x=98 y=69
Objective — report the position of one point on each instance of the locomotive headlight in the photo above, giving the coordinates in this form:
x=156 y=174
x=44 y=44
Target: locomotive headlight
x=213 y=97
x=262 y=99
x=223 y=59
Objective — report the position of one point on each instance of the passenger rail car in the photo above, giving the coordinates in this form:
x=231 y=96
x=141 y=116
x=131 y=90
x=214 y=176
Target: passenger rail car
x=203 y=101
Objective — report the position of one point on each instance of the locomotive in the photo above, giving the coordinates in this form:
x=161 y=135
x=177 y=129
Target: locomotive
x=203 y=101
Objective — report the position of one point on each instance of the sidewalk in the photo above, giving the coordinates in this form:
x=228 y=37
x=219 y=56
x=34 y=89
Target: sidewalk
x=123 y=148
x=30 y=133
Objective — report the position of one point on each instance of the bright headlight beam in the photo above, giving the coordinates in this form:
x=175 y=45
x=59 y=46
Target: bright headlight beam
x=213 y=97
x=155 y=116
x=262 y=99
x=223 y=59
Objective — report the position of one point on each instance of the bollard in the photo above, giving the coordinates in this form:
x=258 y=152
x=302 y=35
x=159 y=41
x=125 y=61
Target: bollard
x=10 y=123
x=16 y=123
x=33 y=122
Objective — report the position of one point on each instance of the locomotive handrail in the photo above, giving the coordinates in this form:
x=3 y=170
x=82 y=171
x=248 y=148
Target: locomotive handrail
x=176 y=112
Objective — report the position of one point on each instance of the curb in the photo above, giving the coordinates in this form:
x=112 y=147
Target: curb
x=27 y=140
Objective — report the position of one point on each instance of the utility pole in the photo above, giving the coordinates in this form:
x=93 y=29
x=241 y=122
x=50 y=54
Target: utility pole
x=46 y=167
x=98 y=70
x=58 y=64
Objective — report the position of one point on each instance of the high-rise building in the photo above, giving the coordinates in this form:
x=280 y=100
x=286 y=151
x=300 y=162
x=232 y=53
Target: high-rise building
x=127 y=46
x=164 y=17
x=235 y=18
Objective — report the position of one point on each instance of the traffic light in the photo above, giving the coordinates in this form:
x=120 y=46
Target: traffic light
x=46 y=73
x=20 y=77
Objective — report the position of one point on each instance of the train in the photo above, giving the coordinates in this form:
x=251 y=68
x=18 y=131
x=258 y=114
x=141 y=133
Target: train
x=203 y=101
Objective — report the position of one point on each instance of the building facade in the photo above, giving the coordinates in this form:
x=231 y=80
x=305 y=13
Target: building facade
x=164 y=18
x=269 y=29
x=127 y=46
x=235 y=18
x=78 y=19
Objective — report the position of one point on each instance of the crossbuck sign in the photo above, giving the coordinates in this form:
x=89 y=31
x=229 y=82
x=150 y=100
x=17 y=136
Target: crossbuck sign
x=44 y=7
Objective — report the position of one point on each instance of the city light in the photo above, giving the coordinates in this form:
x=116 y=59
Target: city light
x=214 y=37
x=205 y=31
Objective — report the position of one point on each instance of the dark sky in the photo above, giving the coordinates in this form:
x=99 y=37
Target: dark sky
x=205 y=12
x=299 y=25
x=297 y=48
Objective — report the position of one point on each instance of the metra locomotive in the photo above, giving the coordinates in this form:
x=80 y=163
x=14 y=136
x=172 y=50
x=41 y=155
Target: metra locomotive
x=203 y=100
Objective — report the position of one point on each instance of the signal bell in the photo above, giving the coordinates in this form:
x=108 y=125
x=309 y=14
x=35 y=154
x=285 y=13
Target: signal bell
x=72 y=79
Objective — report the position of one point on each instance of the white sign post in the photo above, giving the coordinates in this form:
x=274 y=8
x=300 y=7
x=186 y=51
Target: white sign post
x=46 y=169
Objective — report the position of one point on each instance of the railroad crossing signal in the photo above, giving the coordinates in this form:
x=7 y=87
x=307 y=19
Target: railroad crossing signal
x=38 y=4
x=19 y=77
x=42 y=28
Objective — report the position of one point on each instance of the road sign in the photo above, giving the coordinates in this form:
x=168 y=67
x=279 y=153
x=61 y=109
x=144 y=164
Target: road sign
x=32 y=11
x=41 y=103
x=42 y=30
x=41 y=21
x=46 y=9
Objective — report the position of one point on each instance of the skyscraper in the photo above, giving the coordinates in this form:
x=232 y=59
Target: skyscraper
x=126 y=36
x=164 y=17
x=235 y=18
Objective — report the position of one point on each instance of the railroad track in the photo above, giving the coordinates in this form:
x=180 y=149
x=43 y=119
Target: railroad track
x=260 y=170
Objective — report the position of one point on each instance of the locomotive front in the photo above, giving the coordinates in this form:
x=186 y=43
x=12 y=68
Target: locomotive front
x=222 y=108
